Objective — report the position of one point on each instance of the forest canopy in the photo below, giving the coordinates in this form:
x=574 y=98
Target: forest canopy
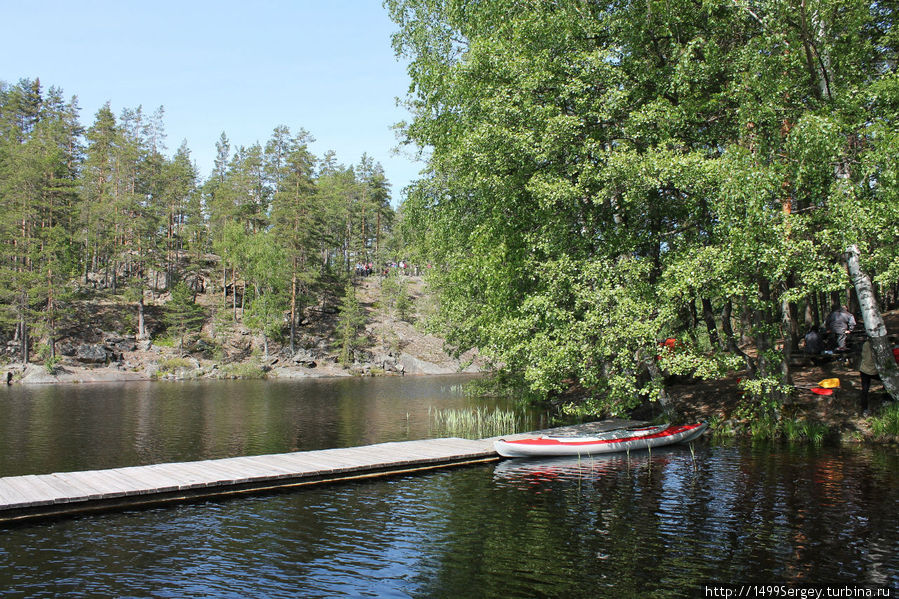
x=103 y=211
x=605 y=175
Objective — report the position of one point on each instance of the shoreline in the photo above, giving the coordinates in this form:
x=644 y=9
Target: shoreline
x=37 y=374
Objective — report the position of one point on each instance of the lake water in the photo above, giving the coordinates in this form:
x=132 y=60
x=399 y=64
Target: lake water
x=660 y=525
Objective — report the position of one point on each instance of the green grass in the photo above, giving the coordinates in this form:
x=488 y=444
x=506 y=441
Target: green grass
x=803 y=430
x=165 y=342
x=173 y=364
x=886 y=423
x=473 y=423
x=240 y=371
x=793 y=430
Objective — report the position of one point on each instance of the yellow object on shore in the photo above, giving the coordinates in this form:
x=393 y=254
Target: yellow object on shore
x=830 y=383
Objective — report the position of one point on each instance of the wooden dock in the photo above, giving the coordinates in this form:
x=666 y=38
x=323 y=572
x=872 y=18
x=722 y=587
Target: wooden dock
x=70 y=493
x=62 y=494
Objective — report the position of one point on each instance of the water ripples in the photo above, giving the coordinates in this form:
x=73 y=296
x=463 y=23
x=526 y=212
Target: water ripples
x=661 y=523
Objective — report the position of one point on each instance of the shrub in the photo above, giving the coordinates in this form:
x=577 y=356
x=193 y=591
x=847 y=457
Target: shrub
x=173 y=364
x=886 y=423
x=240 y=370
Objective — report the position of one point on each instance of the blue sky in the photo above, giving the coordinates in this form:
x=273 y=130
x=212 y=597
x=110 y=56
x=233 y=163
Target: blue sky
x=239 y=67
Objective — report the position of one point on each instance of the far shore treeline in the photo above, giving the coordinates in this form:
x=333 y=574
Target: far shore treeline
x=605 y=175
x=106 y=213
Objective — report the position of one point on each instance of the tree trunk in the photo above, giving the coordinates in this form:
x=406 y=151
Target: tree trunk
x=141 y=326
x=694 y=317
x=791 y=340
x=378 y=235
x=811 y=311
x=791 y=313
x=709 y=317
x=655 y=373
x=763 y=319
x=293 y=308
x=729 y=339
x=874 y=325
x=23 y=337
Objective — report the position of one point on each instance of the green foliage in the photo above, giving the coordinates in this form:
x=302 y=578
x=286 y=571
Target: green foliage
x=885 y=424
x=182 y=314
x=240 y=371
x=51 y=363
x=264 y=263
x=104 y=207
x=166 y=341
x=804 y=430
x=395 y=294
x=350 y=326
x=596 y=170
x=173 y=364
x=501 y=383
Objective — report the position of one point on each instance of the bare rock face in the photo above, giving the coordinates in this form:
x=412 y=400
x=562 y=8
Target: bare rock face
x=90 y=353
x=37 y=374
x=412 y=365
x=304 y=357
x=125 y=345
x=67 y=348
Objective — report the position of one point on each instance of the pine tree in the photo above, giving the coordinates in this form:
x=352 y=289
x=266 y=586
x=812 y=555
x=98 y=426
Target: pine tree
x=350 y=326
x=296 y=217
x=38 y=159
x=182 y=313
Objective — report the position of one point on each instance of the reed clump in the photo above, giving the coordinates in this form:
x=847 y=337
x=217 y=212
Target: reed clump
x=885 y=424
x=474 y=423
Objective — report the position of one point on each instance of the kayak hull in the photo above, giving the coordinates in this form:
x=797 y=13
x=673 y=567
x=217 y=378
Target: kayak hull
x=610 y=442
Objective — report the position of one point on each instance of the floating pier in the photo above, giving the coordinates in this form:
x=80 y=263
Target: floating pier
x=71 y=493
x=61 y=494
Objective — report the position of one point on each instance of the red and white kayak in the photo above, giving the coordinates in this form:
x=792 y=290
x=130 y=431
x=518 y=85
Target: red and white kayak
x=622 y=439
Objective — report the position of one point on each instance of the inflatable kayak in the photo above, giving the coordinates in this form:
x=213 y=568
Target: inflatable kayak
x=623 y=439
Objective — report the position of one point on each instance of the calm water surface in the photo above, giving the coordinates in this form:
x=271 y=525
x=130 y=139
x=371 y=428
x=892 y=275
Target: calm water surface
x=644 y=525
x=58 y=428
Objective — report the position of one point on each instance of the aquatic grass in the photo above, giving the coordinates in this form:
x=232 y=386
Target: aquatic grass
x=792 y=430
x=693 y=457
x=764 y=427
x=474 y=423
x=813 y=432
x=886 y=423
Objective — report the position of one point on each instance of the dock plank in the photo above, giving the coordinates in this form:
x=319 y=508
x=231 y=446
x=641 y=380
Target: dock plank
x=40 y=487
x=32 y=489
x=63 y=491
x=11 y=492
x=91 y=484
x=147 y=480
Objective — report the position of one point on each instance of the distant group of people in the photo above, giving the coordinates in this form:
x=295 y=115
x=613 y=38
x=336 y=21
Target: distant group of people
x=366 y=269
x=838 y=326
